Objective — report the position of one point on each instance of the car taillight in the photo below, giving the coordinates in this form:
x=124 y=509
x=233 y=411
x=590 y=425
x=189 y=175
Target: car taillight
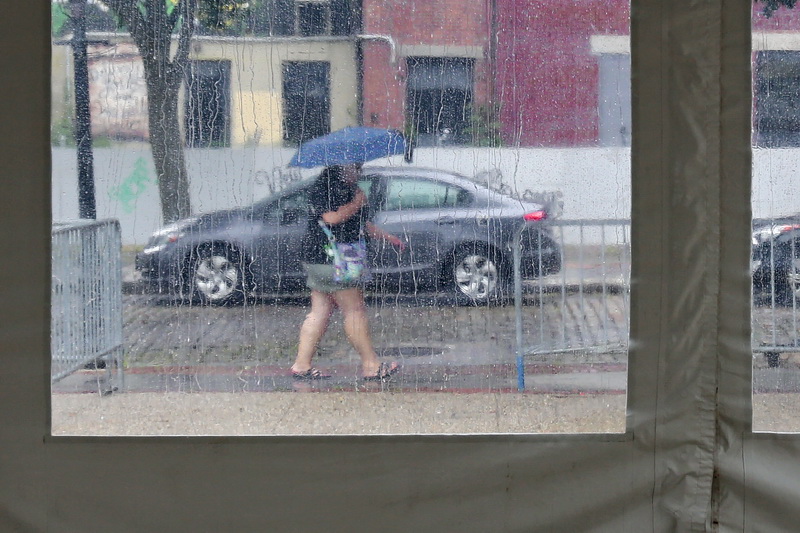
x=787 y=227
x=535 y=215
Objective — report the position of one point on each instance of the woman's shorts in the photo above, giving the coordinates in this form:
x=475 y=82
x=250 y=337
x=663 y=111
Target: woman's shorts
x=320 y=278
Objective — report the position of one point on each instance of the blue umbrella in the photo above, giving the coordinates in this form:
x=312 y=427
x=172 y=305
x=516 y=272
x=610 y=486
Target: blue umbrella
x=350 y=145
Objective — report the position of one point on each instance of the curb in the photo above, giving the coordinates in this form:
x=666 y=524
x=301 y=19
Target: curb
x=569 y=379
x=592 y=287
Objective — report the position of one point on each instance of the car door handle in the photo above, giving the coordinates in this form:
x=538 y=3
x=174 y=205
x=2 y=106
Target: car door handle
x=445 y=220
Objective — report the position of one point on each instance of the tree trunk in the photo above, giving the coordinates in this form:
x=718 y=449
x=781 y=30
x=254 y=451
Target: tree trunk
x=167 y=144
x=152 y=24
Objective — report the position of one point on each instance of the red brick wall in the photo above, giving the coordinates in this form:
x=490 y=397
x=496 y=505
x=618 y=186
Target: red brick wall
x=782 y=19
x=440 y=22
x=547 y=76
x=414 y=22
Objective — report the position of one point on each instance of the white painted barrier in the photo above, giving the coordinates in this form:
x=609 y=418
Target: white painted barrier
x=594 y=183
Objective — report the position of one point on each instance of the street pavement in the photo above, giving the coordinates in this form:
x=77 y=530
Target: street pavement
x=575 y=330
x=189 y=368
x=441 y=345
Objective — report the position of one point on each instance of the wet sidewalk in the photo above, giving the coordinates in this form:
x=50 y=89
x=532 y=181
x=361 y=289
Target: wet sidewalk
x=463 y=379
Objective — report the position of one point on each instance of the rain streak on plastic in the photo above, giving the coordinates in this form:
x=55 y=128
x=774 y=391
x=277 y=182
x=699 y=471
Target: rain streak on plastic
x=492 y=144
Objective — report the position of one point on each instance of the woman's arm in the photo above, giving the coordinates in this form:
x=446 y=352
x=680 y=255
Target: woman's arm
x=347 y=210
x=377 y=233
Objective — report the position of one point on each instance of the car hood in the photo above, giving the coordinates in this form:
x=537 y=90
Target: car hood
x=221 y=219
x=204 y=223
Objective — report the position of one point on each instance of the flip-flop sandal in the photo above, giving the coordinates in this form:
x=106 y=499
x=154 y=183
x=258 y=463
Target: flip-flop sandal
x=309 y=375
x=385 y=371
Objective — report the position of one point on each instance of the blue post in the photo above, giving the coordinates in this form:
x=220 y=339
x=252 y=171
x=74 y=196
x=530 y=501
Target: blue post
x=518 y=306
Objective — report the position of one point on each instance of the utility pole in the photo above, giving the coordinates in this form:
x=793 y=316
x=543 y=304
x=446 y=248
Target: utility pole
x=83 y=124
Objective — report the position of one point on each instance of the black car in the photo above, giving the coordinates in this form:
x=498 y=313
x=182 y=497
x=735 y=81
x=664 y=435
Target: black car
x=775 y=261
x=458 y=236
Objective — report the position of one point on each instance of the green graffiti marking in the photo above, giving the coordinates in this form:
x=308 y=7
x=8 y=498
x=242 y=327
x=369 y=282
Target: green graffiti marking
x=132 y=187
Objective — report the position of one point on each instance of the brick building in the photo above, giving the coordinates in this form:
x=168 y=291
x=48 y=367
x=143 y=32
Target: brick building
x=426 y=66
x=554 y=88
x=539 y=72
x=520 y=71
x=516 y=72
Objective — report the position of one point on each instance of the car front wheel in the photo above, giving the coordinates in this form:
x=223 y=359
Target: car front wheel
x=217 y=276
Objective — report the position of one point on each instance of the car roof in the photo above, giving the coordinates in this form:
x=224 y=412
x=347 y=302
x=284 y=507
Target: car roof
x=481 y=192
x=447 y=176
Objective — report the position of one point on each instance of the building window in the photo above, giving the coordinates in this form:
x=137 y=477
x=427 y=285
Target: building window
x=614 y=100
x=439 y=99
x=776 y=93
x=313 y=18
x=207 y=118
x=306 y=100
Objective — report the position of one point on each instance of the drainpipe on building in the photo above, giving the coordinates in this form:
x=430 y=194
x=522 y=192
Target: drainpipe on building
x=493 y=37
x=360 y=62
x=386 y=38
x=359 y=83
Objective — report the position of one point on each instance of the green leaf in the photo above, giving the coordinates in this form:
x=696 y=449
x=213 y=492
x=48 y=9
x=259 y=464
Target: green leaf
x=58 y=18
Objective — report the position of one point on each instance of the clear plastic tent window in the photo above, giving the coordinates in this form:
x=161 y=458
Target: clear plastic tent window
x=496 y=220
x=775 y=261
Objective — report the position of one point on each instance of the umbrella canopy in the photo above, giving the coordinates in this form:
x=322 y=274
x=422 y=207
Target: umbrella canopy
x=349 y=145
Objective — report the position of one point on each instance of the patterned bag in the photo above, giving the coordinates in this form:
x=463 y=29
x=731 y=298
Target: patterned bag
x=349 y=259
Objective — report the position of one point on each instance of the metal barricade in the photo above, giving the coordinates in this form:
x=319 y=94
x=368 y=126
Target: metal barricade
x=775 y=267
x=86 y=300
x=600 y=266
x=596 y=261
x=775 y=327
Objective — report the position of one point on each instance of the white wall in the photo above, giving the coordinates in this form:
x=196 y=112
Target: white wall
x=595 y=182
x=776 y=182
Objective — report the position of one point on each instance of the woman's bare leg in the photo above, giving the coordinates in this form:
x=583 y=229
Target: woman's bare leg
x=312 y=330
x=356 y=326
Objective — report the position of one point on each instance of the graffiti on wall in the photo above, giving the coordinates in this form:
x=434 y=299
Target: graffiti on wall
x=118 y=93
x=132 y=187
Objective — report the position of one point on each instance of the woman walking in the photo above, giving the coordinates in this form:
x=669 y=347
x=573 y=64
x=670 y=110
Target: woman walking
x=339 y=222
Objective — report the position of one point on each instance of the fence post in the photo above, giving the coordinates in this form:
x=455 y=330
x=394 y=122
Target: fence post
x=518 y=306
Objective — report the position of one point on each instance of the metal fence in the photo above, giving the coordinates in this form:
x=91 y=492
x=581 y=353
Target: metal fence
x=595 y=266
x=775 y=327
x=595 y=277
x=86 y=301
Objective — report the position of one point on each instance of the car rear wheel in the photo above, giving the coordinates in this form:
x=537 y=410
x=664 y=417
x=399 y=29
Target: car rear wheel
x=217 y=275
x=478 y=274
x=791 y=285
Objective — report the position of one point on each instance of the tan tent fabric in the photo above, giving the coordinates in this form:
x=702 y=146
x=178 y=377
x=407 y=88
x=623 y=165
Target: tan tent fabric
x=687 y=460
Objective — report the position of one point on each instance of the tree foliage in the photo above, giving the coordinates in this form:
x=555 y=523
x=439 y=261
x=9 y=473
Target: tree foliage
x=226 y=16
x=96 y=18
